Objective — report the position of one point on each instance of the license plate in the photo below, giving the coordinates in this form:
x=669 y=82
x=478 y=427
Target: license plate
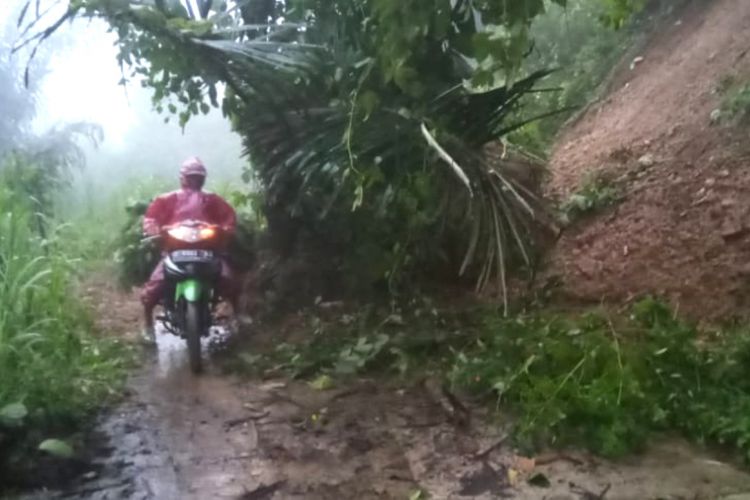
x=192 y=255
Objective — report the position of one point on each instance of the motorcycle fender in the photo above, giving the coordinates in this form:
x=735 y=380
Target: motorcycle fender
x=190 y=290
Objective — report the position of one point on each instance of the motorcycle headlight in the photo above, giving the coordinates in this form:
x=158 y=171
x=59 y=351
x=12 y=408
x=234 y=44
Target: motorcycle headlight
x=206 y=233
x=181 y=233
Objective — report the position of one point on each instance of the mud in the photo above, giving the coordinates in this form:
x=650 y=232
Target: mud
x=184 y=437
x=681 y=232
x=180 y=436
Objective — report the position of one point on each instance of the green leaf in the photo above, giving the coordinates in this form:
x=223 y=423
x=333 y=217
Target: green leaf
x=57 y=448
x=13 y=414
x=369 y=100
x=322 y=383
x=406 y=78
x=359 y=194
x=184 y=118
x=418 y=495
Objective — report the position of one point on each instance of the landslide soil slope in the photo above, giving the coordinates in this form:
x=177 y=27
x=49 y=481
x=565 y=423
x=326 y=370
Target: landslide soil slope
x=682 y=229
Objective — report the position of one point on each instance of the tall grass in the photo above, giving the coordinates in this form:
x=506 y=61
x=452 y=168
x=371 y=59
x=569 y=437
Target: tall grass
x=49 y=359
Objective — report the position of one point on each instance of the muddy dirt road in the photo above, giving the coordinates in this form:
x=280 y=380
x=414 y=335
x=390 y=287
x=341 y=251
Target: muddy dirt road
x=183 y=437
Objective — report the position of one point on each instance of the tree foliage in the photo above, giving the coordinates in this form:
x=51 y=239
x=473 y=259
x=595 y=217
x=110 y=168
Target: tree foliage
x=16 y=101
x=34 y=166
x=365 y=121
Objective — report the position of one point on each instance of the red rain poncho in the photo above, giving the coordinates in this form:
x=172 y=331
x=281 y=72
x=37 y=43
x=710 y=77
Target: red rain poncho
x=190 y=204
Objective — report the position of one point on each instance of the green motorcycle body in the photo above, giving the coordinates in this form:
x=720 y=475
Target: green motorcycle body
x=190 y=290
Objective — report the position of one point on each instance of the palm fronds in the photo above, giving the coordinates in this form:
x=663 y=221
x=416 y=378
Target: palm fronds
x=299 y=138
x=330 y=123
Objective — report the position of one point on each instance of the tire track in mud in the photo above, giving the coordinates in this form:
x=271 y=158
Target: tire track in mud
x=185 y=437
x=180 y=436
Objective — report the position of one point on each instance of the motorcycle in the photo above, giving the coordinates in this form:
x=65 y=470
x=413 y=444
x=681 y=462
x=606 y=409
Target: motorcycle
x=191 y=270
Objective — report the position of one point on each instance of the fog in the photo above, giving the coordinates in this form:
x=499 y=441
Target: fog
x=79 y=80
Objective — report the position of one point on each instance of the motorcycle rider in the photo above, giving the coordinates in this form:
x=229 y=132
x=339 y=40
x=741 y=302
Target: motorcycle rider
x=190 y=202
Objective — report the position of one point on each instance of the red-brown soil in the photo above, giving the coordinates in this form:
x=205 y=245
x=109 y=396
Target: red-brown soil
x=683 y=228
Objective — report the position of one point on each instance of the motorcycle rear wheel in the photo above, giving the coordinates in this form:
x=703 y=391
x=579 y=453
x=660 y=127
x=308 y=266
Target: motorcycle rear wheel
x=193 y=335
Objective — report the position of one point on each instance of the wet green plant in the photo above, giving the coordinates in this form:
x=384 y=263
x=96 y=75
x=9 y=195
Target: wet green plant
x=371 y=339
x=343 y=355
x=596 y=193
x=584 y=51
x=610 y=384
x=735 y=103
x=134 y=256
x=53 y=370
x=598 y=380
x=48 y=360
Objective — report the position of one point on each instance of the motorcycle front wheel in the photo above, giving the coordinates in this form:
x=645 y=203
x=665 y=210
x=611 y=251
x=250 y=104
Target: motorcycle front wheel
x=193 y=332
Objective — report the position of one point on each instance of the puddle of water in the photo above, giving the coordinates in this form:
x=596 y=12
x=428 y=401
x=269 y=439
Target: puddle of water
x=171 y=350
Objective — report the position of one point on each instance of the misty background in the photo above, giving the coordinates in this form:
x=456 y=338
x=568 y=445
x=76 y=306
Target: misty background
x=76 y=78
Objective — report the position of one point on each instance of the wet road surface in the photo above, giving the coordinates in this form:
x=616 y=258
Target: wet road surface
x=179 y=436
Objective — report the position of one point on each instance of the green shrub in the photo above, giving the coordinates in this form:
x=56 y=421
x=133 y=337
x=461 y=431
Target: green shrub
x=53 y=371
x=605 y=383
x=48 y=359
x=583 y=50
x=135 y=257
x=735 y=104
x=594 y=195
x=583 y=380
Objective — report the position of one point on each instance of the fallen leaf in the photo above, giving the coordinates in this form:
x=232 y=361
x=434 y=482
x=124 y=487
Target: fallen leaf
x=274 y=385
x=512 y=476
x=521 y=469
x=417 y=495
x=322 y=383
x=57 y=448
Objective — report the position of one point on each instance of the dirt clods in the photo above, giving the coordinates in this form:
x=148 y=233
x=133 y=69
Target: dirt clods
x=681 y=230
